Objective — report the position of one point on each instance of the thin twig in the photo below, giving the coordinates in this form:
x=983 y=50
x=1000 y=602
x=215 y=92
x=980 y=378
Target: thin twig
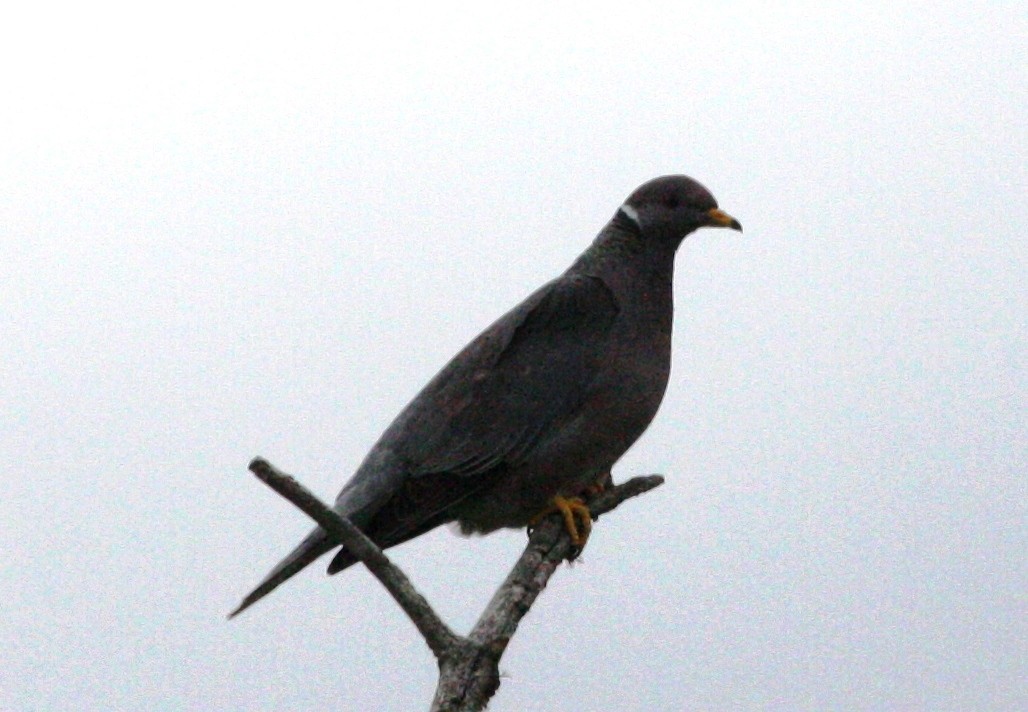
x=436 y=633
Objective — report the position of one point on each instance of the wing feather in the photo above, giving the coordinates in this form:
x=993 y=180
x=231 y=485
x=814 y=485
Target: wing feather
x=490 y=406
x=540 y=375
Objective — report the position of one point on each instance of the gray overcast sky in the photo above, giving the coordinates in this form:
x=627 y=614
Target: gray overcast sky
x=231 y=231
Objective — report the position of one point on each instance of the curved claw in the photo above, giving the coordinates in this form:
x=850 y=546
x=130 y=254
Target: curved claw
x=569 y=509
x=578 y=520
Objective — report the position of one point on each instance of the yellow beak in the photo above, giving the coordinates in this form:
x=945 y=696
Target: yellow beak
x=719 y=218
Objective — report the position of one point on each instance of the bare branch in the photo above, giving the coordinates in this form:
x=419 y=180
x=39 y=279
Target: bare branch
x=470 y=686
x=548 y=546
x=435 y=632
x=469 y=672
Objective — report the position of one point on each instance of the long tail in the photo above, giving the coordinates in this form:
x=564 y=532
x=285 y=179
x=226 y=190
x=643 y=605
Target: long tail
x=316 y=544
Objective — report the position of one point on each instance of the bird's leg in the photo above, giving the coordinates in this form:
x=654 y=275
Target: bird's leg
x=570 y=508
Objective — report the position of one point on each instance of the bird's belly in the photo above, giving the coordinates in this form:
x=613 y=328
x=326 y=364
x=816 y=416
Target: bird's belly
x=581 y=450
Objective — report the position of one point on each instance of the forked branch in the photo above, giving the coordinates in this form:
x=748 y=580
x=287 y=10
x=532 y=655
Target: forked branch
x=468 y=665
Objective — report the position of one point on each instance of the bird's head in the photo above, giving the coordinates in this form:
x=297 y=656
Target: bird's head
x=671 y=207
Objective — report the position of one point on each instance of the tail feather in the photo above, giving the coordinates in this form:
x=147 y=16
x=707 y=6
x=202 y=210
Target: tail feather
x=342 y=560
x=314 y=546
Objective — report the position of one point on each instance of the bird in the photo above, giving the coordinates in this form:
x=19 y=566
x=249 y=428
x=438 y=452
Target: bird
x=538 y=407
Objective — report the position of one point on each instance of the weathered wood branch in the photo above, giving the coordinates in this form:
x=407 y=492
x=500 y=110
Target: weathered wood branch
x=468 y=665
x=435 y=632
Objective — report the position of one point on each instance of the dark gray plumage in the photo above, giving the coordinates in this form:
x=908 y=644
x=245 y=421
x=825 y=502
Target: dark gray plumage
x=542 y=403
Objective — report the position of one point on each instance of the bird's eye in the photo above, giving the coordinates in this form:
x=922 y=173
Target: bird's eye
x=671 y=202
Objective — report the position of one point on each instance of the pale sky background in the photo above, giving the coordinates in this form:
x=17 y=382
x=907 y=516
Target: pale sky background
x=232 y=230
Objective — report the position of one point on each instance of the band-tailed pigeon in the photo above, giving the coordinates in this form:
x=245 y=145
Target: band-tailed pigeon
x=541 y=404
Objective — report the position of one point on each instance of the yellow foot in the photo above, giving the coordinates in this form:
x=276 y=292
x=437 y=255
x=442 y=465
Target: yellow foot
x=571 y=508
